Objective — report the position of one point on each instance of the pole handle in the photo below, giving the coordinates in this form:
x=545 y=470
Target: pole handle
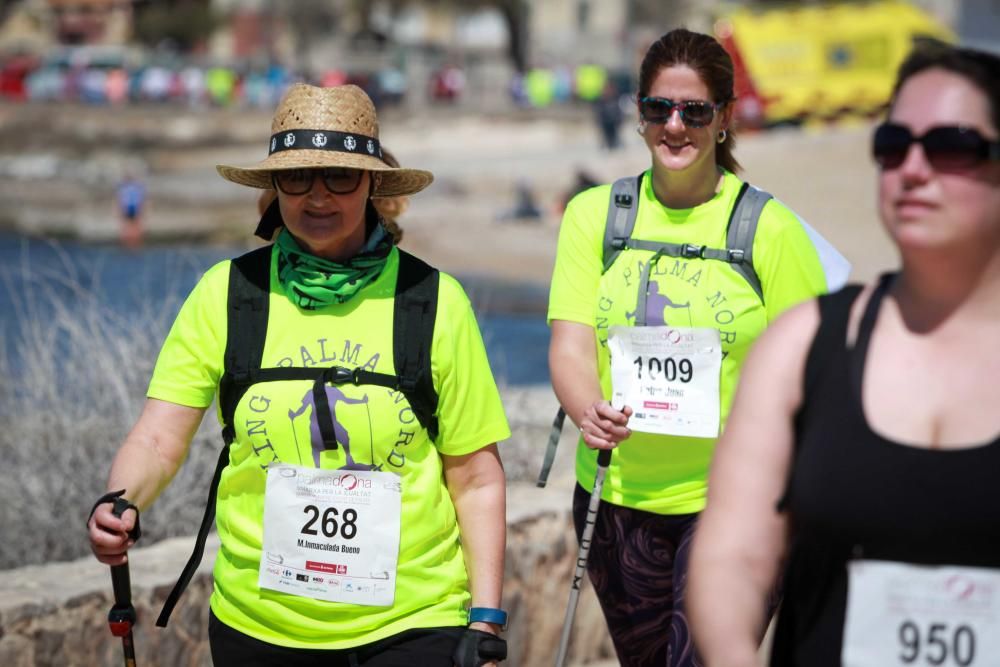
x=604 y=458
x=122 y=616
x=120 y=578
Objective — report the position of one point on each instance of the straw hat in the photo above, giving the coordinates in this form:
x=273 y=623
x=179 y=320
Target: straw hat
x=327 y=127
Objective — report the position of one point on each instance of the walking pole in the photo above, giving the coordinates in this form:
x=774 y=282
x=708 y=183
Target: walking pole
x=603 y=460
x=122 y=617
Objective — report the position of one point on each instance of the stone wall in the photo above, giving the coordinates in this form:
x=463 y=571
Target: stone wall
x=57 y=614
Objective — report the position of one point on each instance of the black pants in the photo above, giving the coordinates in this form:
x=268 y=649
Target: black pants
x=427 y=647
x=638 y=565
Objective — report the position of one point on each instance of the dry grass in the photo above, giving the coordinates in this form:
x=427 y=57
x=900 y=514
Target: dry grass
x=67 y=401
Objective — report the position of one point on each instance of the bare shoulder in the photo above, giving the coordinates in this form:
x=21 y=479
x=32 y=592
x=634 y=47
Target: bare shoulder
x=785 y=342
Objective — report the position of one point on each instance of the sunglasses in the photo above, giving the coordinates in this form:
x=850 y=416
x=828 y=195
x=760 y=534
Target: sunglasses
x=338 y=180
x=694 y=113
x=947 y=147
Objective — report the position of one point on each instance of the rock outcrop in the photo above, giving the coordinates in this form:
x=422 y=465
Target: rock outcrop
x=56 y=614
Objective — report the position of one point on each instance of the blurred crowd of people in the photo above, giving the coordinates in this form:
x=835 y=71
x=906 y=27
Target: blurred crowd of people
x=544 y=86
x=68 y=78
x=114 y=79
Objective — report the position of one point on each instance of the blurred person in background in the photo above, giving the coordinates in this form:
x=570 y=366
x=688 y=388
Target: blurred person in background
x=864 y=440
x=312 y=424
x=608 y=115
x=130 y=196
x=670 y=273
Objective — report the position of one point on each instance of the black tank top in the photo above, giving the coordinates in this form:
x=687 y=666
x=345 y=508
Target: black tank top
x=854 y=494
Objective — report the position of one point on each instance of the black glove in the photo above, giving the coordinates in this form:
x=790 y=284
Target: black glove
x=476 y=648
x=120 y=505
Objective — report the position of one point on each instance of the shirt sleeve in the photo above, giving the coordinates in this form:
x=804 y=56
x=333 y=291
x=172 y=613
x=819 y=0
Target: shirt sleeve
x=189 y=365
x=470 y=412
x=794 y=262
x=577 y=274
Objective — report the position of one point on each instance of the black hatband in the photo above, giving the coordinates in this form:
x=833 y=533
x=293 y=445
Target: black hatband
x=324 y=140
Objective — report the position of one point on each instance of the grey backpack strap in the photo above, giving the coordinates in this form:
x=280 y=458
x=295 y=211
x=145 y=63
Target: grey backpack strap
x=550 y=449
x=623 y=206
x=742 y=229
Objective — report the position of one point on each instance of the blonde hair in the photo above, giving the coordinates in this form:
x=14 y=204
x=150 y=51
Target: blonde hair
x=390 y=208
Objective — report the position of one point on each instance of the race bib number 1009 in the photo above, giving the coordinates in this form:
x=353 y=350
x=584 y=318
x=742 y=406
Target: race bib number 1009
x=670 y=378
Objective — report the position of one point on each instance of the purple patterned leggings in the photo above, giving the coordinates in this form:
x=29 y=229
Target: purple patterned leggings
x=638 y=565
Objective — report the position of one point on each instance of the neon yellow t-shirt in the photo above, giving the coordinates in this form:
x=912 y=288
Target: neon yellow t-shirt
x=668 y=474
x=274 y=421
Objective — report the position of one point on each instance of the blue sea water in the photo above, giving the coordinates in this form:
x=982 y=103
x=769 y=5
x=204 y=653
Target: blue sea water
x=511 y=316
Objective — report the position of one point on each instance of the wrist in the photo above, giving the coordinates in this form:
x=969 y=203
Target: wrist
x=491 y=628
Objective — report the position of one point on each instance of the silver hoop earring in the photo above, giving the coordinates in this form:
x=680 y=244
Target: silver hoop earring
x=640 y=127
x=722 y=136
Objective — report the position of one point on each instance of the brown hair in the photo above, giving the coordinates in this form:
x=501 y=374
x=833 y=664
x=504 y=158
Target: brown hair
x=704 y=55
x=979 y=68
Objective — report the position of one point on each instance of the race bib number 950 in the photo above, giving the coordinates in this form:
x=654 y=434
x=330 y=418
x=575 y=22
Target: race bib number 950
x=900 y=614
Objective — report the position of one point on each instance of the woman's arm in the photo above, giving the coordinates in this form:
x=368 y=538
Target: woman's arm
x=146 y=462
x=741 y=538
x=575 y=379
x=478 y=489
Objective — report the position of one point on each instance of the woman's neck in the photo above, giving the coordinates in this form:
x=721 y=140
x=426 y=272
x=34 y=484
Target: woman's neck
x=686 y=189
x=964 y=290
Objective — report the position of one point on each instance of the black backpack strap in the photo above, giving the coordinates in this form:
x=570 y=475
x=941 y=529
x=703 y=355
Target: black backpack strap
x=415 y=311
x=741 y=231
x=198 y=552
x=623 y=207
x=249 y=298
x=249 y=290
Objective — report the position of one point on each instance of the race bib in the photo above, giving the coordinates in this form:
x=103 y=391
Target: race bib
x=670 y=378
x=331 y=534
x=900 y=614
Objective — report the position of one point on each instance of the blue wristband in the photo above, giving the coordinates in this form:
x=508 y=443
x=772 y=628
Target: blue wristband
x=488 y=615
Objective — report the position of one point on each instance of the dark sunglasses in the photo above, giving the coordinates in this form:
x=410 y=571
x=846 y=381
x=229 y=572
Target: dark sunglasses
x=338 y=180
x=947 y=147
x=694 y=113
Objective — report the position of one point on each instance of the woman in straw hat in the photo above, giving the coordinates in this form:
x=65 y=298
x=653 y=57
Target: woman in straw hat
x=360 y=497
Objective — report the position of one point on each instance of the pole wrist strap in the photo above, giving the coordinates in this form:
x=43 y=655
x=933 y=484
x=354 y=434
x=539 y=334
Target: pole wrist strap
x=120 y=505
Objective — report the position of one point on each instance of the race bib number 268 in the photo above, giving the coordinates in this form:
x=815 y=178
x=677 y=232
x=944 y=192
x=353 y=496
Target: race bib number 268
x=331 y=534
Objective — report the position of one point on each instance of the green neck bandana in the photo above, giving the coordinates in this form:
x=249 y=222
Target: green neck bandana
x=313 y=282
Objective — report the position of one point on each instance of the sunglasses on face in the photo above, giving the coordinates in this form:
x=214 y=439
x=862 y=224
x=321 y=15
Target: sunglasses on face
x=694 y=113
x=338 y=180
x=947 y=147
